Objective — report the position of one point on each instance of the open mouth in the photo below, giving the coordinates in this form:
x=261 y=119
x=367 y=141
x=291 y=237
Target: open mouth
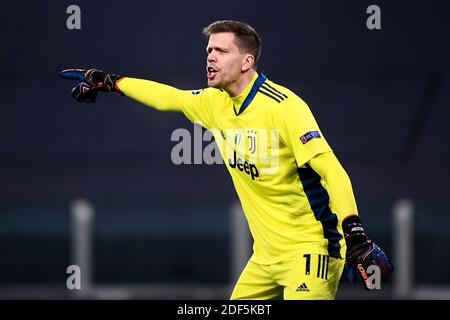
x=211 y=72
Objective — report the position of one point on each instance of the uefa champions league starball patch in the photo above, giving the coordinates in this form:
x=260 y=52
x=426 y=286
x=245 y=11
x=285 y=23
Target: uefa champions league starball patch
x=309 y=136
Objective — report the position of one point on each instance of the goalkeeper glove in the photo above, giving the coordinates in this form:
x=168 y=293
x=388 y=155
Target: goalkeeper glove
x=363 y=252
x=90 y=82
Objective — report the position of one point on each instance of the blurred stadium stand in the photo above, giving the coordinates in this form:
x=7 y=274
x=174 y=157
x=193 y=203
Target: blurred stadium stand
x=163 y=231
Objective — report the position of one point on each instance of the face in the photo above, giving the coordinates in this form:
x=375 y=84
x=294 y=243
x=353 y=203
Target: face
x=225 y=62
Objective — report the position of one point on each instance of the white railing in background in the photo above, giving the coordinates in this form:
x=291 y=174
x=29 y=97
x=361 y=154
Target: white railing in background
x=240 y=241
x=403 y=219
x=82 y=242
x=83 y=216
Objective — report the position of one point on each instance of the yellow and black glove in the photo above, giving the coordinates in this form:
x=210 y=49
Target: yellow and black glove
x=90 y=82
x=363 y=253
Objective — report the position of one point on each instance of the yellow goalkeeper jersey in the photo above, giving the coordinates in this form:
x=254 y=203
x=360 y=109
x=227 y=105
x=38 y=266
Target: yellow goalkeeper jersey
x=266 y=137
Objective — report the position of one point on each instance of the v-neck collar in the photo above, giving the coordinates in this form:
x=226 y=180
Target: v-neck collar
x=249 y=93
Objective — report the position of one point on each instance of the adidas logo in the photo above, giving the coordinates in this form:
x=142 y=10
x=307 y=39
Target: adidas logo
x=302 y=288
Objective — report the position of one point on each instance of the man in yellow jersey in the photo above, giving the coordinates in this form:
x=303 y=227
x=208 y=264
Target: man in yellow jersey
x=296 y=196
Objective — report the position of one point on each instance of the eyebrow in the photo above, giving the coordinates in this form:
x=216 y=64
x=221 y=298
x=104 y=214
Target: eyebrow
x=217 y=48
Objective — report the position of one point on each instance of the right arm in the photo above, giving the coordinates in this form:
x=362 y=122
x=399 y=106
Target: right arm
x=193 y=104
x=157 y=95
x=196 y=105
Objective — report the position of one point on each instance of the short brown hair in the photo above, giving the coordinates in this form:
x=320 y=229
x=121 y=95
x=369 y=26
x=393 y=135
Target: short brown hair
x=248 y=39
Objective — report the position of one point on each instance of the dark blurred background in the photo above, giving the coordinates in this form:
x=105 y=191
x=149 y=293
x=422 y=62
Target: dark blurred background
x=381 y=97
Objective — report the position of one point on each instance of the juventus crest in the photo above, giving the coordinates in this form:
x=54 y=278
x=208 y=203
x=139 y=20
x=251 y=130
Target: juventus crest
x=251 y=135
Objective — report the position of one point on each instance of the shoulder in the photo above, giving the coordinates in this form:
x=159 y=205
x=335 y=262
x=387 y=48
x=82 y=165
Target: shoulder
x=286 y=103
x=211 y=93
x=280 y=95
x=273 y=92
x=210 y=97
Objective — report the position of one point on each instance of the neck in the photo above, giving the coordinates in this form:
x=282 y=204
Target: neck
x=237 y=87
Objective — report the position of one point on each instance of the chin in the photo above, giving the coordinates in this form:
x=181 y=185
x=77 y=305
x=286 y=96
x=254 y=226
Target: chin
x=214 y=84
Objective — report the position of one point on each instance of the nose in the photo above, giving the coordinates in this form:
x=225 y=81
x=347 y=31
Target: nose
x=211 y=57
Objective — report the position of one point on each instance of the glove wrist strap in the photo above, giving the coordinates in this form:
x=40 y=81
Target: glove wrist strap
x=354 y=232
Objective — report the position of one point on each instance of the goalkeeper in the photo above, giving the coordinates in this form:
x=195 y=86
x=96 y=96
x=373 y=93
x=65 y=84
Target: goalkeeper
x=302 y=215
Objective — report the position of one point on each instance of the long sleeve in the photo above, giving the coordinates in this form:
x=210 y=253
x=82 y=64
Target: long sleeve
x=194 y=104
x=300 y=131
x=338 y=184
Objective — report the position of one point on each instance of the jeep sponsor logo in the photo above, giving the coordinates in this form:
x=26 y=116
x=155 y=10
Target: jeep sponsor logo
x=243 y=166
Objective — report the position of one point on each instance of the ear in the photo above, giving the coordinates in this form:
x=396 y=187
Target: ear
x=248 y=62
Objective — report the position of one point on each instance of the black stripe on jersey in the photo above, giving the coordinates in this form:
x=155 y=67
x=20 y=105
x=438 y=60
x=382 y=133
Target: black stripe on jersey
x=265 y=83
x=323 y=267
x=273 y=92
x=269 y=95
x=318 y=266
x=320 y=204
x=326 y=272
